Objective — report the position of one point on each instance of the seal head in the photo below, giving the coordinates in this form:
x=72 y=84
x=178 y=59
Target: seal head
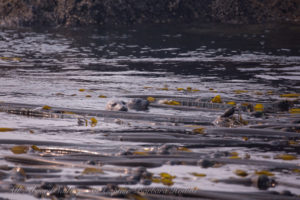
x=114 y=105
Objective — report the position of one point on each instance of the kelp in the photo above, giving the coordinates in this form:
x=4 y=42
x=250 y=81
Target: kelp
x=19 y=149
x=291 y=95
x=198 y=174
x=7 y=129
x=55 y=112
x=16 y=59
x=241 y=173
x=164 y=178
x=157 y=146
x=216 y=99
x=264 y=172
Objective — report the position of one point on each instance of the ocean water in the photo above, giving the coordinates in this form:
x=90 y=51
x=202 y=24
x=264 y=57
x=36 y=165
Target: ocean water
x=72 y=67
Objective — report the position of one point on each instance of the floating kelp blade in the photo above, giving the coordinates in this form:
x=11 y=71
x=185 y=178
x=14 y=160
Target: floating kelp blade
x=217 y=99
x=7 y=129
x=241 y=173
x=198 y=174
x=294 y=110
x=46 y=107
x=19 y=149
x=292 y=95
x=7 y=107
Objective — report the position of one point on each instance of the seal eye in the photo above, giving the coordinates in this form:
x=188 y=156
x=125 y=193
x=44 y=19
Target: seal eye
x=114 y=104
x=123 y=102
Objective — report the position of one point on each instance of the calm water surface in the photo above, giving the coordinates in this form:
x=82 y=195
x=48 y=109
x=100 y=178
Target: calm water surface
x=116 y=62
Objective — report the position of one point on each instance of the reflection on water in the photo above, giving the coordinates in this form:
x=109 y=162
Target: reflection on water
x=122 y=61
x=55 y=63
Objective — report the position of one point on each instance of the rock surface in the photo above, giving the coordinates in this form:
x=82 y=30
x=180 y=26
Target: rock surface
x=123 y=12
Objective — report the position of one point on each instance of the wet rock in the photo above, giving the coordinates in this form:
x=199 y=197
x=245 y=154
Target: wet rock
x=255 y=11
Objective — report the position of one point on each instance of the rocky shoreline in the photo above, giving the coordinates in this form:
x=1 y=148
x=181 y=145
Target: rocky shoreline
x=15 y=13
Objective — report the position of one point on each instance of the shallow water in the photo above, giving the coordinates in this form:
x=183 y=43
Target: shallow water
x=214 y=59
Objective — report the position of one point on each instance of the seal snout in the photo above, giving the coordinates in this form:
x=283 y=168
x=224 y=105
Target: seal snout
x=124 y=108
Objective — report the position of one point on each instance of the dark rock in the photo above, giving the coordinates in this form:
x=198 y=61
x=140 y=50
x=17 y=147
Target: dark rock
x=124 y=12
x=256 y=11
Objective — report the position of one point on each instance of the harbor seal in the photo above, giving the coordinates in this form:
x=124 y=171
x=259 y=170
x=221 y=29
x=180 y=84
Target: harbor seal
x=134 y=104
x=138 y=104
